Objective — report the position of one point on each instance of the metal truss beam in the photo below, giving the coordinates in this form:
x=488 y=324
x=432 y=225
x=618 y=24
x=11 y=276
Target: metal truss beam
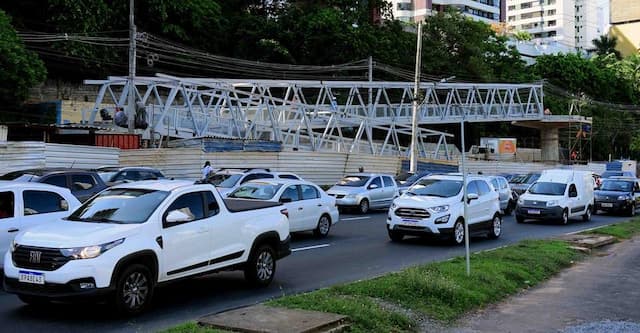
x=317 y=115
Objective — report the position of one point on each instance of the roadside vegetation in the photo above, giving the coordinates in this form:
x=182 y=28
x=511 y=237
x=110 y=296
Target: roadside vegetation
x=623 y=230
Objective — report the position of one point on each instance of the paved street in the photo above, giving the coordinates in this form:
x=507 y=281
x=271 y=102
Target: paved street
x=357 y=248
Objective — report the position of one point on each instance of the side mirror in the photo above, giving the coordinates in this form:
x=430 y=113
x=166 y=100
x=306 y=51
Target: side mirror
x=285 y=200
x=472 y=196
x=176 y=217
x=372 y=186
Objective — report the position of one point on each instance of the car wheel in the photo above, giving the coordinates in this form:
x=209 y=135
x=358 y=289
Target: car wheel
x=587 y=215
x=34 y=300
x=495 y=230
x=261 y=266
x=519 y=218
x=458 y=233
x=364 y=206
x=395 y=236
x=134 y=289
x=565 y=217
x=323 y=227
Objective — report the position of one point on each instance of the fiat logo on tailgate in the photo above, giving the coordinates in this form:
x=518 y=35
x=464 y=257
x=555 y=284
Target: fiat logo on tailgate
x=34 y=257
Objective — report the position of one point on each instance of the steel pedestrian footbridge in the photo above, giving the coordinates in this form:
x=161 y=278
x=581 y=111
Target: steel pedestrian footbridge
x=342 y=116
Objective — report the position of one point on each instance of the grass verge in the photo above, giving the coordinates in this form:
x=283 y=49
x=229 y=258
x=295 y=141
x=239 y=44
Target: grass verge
x=191 y=327
x=624 y=230
x=439 y=290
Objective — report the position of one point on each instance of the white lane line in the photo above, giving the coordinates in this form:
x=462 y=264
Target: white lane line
x=310 y=247
x=356 y=218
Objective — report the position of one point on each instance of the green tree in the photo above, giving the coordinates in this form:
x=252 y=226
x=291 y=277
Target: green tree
x=20 y=69
x=606 y=45
x=523 y=36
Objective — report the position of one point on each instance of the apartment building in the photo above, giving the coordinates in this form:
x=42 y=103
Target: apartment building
x=571 y=23
x=625 y=25
x=490 y=11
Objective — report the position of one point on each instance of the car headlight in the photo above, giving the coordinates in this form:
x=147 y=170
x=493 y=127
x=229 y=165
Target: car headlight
x=624 y=197
x=552 y=203
x=89 y=252
x=439 y=209
x=520 y=201
x=393 y=206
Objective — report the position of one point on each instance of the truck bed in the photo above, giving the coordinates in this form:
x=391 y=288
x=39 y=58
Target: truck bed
x=243 y=205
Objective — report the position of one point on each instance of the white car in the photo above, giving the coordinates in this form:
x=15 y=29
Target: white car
x=309 y=207
x=434 y=206
x=130 y=238
x=24 y=205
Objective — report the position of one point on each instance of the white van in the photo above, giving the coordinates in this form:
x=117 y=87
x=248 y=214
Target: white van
x=558 y=195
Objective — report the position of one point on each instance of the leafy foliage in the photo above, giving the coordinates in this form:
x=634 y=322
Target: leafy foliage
x=20 y=69
x=605 y=45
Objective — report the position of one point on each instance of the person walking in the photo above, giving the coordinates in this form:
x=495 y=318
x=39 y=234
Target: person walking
x=206 y=169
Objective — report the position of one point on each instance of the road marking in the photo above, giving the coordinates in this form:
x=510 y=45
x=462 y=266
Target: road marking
x=355 y=218
x=310 y=247
x=579 y=231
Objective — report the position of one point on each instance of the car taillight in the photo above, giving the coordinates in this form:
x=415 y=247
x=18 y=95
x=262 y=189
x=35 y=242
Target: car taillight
x=285 y=212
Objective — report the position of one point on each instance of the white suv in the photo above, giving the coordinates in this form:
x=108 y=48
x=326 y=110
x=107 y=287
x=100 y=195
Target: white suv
x=434 y=206
x=129 y=238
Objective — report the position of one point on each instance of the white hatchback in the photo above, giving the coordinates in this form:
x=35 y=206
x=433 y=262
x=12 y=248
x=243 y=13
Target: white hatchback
x=310 y=208
x=24 y=205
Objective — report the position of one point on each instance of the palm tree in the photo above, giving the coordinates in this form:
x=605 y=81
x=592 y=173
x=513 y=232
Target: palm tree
x=605 y=45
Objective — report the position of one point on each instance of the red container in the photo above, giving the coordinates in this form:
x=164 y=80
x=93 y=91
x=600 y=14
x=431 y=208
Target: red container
x=122 y=141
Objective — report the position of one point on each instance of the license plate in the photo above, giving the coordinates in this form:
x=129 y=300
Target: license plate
x=31 y=277
x=409 y=222
x=534 y=211
x=606 y=204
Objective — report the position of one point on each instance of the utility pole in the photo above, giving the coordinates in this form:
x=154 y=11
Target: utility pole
x=465 y=200
x=414 y=119
x=132 y=69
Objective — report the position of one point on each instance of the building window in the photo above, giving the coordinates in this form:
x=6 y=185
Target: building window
x=551 y=12
x=551 y=23
x=551 y=2
x=525 y=5
x=552 y=33
x=512 y=18
x=405 y=6
x=512 y=7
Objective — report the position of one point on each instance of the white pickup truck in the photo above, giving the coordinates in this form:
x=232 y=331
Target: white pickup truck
x=125 y=241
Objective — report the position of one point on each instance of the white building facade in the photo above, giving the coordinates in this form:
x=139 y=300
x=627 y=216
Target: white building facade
x=570 y=23
x=489 y=11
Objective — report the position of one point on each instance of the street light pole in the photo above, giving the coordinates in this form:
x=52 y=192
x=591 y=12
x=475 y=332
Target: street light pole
x=465 y=200
x=132 y=69
x=413 y=168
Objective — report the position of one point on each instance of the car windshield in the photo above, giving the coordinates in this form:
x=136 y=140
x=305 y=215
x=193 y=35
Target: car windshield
x=525 y=179
x=106 y=176
x=120 y=205
x=224 y=180
x=259 y=191
x=616 y=185
x=414 y=178
x=444 y=188
x=354 y=181
x=548 y=188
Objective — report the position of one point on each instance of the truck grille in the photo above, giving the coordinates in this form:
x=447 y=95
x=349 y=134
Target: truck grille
x=535 y=203
x=415 y=213
x=40 y=258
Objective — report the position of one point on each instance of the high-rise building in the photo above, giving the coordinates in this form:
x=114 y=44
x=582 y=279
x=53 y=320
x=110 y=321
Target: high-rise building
x=571 y=23
x=489 y=11
x=625 y=25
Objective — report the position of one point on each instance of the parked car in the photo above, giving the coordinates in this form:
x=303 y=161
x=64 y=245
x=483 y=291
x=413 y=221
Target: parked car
x=309 y=207
x=114 y=175
x=403 y=185
x=507 y=197
x=227 y=180
x=364 y=191
x=82 y=183
x=434 y=207
x=25 y=205
x=129 y=238
x=618 y=195
x=610 y=173
x=558 y=195
x=521 y=183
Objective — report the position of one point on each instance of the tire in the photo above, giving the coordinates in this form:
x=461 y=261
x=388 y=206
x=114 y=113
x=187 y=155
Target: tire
x=134 y=289
x=33 y=300
x=587 y=215
x=458 y=233
x=323 y=227
x=519 y=219
x=363 y=207
x=395 y=236
x=261 y=267
x=495 y=229
x=565 y=217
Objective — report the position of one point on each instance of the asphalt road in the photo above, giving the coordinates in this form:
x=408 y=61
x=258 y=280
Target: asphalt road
x=357 y=248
